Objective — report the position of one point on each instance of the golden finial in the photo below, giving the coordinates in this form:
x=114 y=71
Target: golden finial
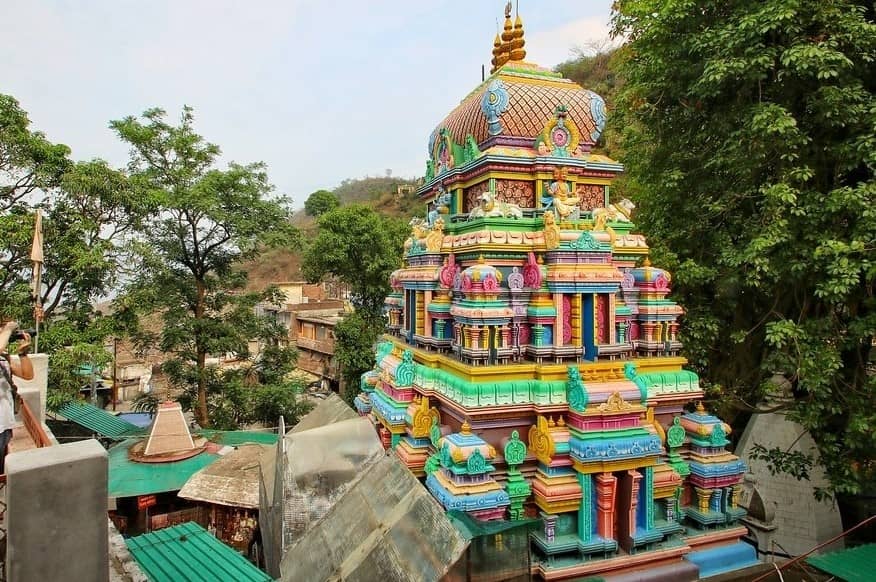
x=700 y=408
x=551 y=422
x=518 y=53
x=481 y=260
x=561 y=422
x=504 y=50
x=497 y=53
x=646 y=262
x=466 y=428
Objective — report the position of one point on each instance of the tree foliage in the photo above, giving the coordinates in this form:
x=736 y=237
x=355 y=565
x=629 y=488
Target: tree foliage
x=90 y=212
x=355 y=337
x=320 y=202
x=204 y=222
x=750 y=140
x=361 y=248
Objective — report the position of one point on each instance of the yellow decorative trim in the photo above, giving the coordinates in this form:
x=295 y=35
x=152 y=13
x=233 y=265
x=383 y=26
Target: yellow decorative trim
x=551 y=231
x=555 y=507
x=615 y=403
x=540 y=441
x=612 y=466
x=593 y=372
x=650 y=419
x=423 y=417
x=571 y=127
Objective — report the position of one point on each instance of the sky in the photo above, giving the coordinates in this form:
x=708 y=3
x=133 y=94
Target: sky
x=319 y=90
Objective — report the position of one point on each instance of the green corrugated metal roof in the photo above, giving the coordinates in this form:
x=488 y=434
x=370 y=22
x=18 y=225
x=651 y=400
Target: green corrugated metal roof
x=128 y=478
x=99 y=420
x=189 y=553
x=852 y=565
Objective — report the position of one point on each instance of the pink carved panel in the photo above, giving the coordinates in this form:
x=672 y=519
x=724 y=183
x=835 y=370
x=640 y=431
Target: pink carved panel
x=516 y=192
x=473 y=194
x=591 y=196
x=567 y=320
x=602 y=319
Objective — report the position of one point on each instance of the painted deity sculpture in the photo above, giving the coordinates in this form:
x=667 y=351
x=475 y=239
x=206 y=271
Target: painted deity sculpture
x=531 y=367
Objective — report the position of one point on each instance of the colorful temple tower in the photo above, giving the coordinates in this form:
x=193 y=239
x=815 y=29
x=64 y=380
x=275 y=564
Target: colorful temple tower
x=531 y=364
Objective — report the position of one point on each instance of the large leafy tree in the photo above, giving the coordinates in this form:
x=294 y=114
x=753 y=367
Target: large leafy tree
x=90 y=212
x=320 y=202
x=29 y=165
x=206 y=221
x=361 y=248
x=750 y=140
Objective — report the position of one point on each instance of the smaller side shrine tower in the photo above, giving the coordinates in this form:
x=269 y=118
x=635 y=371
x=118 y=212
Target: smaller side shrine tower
x=531 y=365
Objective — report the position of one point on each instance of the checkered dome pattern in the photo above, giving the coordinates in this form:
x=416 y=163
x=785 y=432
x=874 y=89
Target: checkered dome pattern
x=531 y=105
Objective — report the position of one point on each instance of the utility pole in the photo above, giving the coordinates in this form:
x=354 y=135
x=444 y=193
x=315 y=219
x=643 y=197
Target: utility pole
x=115 y=390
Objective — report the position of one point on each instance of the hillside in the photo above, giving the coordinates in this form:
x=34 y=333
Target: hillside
x=387 y=195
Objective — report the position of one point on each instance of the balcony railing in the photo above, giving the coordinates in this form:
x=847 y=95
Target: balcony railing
x=322 y=346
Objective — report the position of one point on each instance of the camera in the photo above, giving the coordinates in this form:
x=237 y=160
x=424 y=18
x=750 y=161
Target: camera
x=18 y=334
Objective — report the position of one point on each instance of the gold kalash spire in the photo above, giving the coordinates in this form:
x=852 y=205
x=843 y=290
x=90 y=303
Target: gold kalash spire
x=509 y=46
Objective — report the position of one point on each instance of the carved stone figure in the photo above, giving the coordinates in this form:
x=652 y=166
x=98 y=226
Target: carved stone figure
x=491 y=208
x=619 y=212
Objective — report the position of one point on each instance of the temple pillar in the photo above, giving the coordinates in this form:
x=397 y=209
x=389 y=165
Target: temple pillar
x=421 y=314
x=558 y=321
x=606 y=486
x=439 y=328
x=585 y=511
x=649 y=497
x=427 y=317
x=610 y=326
x=627 y=501
x=703 y=496
x=576 y=320
x=538 y=335
x=550 y=526
x=715 y=500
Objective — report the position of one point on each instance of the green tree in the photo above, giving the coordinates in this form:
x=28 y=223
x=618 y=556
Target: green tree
x=29 y=165
x=320 y=202
x=205 y=222
x=749 y=132
x=355 y=336
x=90 y=212
x=360 y=247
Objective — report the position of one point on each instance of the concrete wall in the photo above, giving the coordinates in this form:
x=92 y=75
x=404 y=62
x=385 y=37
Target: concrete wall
x=56 y=513
x=802 y=522
x=34 y=389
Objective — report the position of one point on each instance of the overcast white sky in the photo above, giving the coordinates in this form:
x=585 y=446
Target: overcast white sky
x=320 y=90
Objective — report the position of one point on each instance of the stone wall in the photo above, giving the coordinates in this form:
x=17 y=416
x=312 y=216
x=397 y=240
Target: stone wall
x=56 y=513
x=801 y=521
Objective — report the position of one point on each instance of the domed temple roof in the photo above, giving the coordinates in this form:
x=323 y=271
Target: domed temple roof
x=520 y=99
x=524 y=98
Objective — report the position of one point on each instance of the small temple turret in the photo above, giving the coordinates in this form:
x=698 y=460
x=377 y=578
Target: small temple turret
x=531 y=367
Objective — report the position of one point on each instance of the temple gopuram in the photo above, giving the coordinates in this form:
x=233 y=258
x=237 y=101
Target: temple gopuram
x=531 y=365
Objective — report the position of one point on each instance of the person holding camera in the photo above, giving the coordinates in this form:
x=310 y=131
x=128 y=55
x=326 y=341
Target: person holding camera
x=23 y=369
